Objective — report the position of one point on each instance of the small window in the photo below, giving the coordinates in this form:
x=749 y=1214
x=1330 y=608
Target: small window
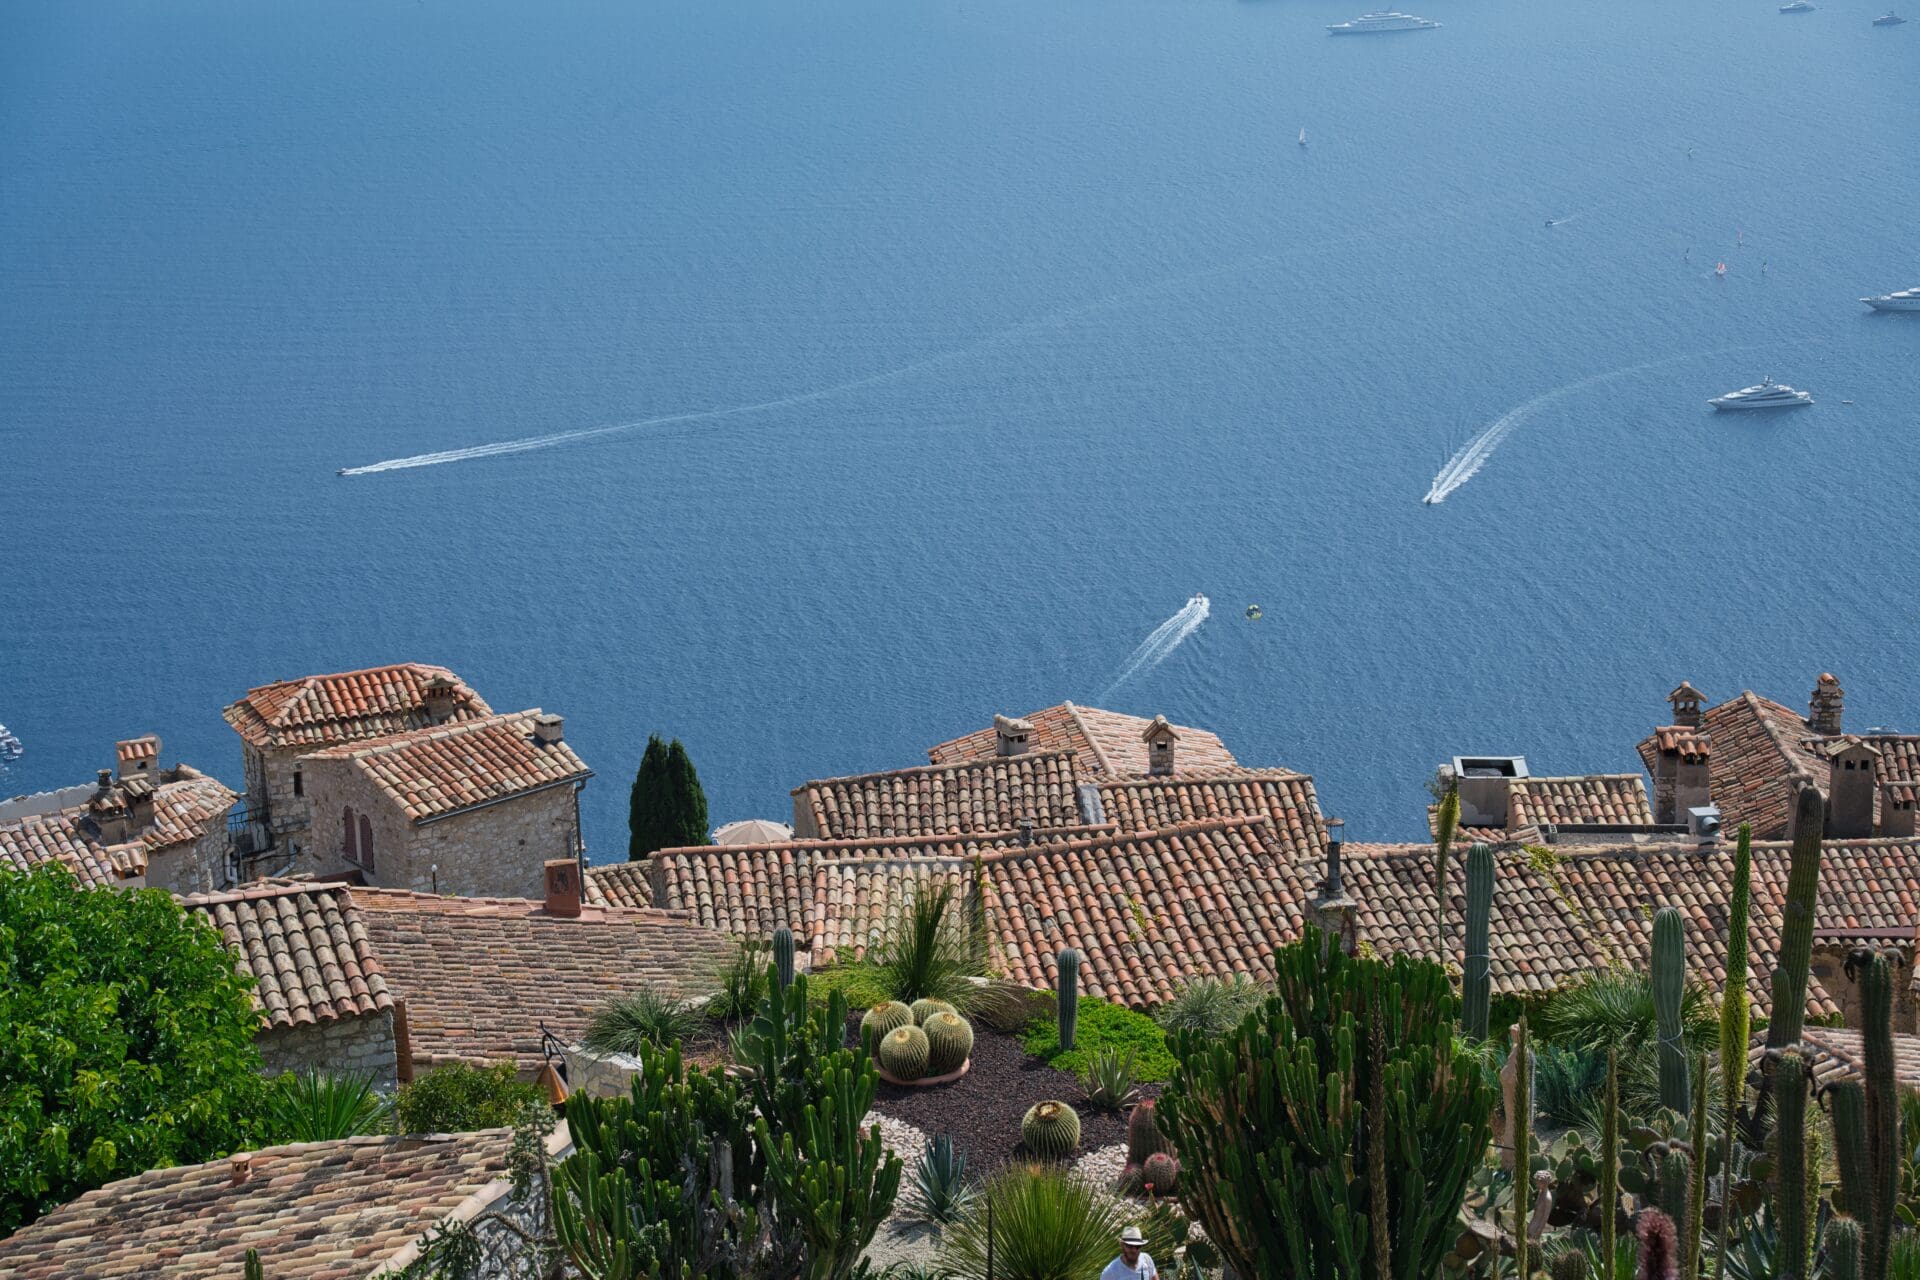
x=366 y=844
x=298 y=789
x=350 y=837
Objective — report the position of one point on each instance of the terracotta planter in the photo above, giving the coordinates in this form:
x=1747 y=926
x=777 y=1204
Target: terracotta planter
x=948 y=1078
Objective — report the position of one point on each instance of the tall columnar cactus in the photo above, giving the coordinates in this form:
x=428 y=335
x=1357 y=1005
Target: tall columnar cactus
x=254 y=1270
x=783 y=956
x=1695 y=1230
x=1447 y=823
x=1846 y=1250
x=1884 y=1146
x=1669 y=985
x=1610 y=1161
x=1068 y=986
x=1796 y=920
x=1789 y=1203
x=1476 y=985
x=1520 y=1125
x=1676 y=1179
x=1659 y=1257
x=1272 y=1121
x=1847 y=1103
x=1735 y=1019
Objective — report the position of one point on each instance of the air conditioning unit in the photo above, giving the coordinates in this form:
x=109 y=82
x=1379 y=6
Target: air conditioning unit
x=1703 y=823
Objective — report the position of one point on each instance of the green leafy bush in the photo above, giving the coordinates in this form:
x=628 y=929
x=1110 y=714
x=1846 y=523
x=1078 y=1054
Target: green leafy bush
x=643 y=1017
x=1103 y=1026
x=859 y=982
x=460 y=1099
x=313 y=1106
x=127 y=1041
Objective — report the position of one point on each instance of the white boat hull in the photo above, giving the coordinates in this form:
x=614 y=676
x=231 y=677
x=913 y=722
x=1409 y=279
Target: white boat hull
x=1727 y=405
x=1893 y=304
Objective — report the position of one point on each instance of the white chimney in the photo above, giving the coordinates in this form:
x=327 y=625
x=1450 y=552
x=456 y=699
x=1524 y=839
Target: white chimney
x=547 y=729
x=1485 y=784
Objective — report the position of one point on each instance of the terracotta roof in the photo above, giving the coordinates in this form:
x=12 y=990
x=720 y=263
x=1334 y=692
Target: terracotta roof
x=1464 y=836
x=1836 y=1054
x=1757 y=747
x=1616 y=798
x=321 y=710
x=25 y=843
x=970 y=797
x=1896 y=761
x=1153 y=804
x=1685 y=739
x=855 y=899
x=304 y=945
x=315 y=1210
x=133 y=751
x=480 y=975
x=1107 y=742
x=431 y=773
x=183 y=810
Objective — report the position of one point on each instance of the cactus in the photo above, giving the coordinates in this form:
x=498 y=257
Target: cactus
x=1520 y=1126
x=1735 y=1019
x=926 y=1007
x=1143 y=1133
x=1846 y=1247
x=1069 y=989
x=1051 y=1130
x=254 y=1270
x=1444 y=828
x=1676 y=1179
x=1659 y=1252
x=1669 y=985
x=1695 y=1229
x=1848 y=1103
x=1568 y=1264
x=1789 y=1205
x=949 y=1043
x=1610 y=1160
x=1884 y=1149
x=1796 y=922
x=884 y=1018
x=783 y=956
x=903 y=1053
x=1160 y=1173
x=1476 y=986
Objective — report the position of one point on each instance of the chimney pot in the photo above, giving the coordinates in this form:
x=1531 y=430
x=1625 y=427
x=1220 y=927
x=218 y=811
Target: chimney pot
x=1011 y=735
x=1686 y=702
x=1026 y=832
x=441 y=698
x=1160 y=739
x=1336 y=843
x=106 y=781
x=1824 y=709
x=547 y=729
x=563 y=888
x=241 y=1167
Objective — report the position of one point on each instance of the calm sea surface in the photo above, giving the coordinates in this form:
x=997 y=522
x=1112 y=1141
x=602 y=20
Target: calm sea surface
x=1048 y=324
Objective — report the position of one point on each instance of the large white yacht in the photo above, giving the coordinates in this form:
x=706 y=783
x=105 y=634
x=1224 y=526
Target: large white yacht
x=1381 y=20
x=1798 y=6
x=1768 y=395
x=1888 y=19
x=1904 y=300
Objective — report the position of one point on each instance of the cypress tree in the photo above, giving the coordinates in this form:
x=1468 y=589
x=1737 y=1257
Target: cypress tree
x=645 y=828
x=687 y=803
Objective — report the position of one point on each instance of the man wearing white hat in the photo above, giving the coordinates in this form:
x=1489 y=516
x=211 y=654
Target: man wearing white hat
x=1133 y=1263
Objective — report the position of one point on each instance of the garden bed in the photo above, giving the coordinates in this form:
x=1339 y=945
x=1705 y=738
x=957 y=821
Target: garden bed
x=982 y=1110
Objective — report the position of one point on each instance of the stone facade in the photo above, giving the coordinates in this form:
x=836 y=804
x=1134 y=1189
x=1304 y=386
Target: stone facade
x=363 y=1045
x=276 y=787
x=201 y=865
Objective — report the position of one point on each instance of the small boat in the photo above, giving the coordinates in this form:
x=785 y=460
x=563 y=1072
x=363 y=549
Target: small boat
x=1767 y=395
x=1253 y=612
x=10 y=746
x=1720 y=268
x=1904 y=300
x=1303 y=137
x=1798 y=6
x=1888 y=19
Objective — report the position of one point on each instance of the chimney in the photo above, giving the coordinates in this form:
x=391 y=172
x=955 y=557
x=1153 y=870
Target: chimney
x=657 y=883
x=1896 y=810
x=1823 y=710
x=240 y=1168
x=139 y=795
x=1336 y=844
x=1160 y=739
x=1686 y=702
x=1026 y=832
x=1333 y=910
x=442 y=699
x=108 y=810
x=546 y=729
x=1682 y=771
x=138 y=757
x=1851 y=785
x=563 y=888
x=1485 y=783
x=1011 y=735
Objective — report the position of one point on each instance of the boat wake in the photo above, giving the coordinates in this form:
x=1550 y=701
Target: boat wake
x=1161 y=642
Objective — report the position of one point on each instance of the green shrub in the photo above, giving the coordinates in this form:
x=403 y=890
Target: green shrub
x=628 y=1023
x=924 y=953
x=1211 y=1006
x=460 y=1099
x=126 y=1041
x=1047 y=1225
x=311 y=1106
x=859 y=982
x=1103 y=1026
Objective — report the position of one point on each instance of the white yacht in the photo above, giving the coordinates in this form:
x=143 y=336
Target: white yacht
x=1768 y=395
x=1798 y=6
x=1888 y=19
x=1905 y=300
x=1381 y=20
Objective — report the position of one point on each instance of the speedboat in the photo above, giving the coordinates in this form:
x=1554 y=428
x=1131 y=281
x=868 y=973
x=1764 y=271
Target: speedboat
x=1798 y=6
x=1768 y=395
x=1888 y=19
x=1381 y=20
x=1905 y=300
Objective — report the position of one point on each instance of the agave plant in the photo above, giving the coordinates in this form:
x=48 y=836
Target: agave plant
x=924 y=954
x=742 y=983
x=941 y=1192
x=311 y=1106
x=1047 y=1224
x=645 y=1018
x=1211 y=1006
x=1109 y=1078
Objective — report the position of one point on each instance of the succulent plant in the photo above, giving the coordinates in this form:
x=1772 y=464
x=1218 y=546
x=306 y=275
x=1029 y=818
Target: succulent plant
x=1143 y=1133
x=1568 y=1264
x=884 y=1017
x=1160 y=1173
x=1051 y=1130
x=926 y=1007
x=949 y=1042
x=903 y=1053
x=1068 y=1015
x=783 y=956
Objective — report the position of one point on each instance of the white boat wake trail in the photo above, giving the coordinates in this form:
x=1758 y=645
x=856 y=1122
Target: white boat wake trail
x=1471 y=456
x=1161 y=642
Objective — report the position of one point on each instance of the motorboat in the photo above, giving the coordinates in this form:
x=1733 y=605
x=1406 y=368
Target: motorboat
x=1904 y=300
x=1303 y=137
x=1253 y=612
x=1888 y=19
x=1768 y=395
x=1798 y=6
x=1382 y=20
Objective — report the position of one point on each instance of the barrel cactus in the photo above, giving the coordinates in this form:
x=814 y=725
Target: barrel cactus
x=903 y=1053
x=1069 y=995
x=949 y=1042
x=1160 y=1173
x=925 y=1008
x=1051 y=1130
x=1143 y=1134
x=883 y=1018
x=783 y=956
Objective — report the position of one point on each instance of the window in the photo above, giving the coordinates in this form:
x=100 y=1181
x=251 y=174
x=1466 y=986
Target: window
x=366 y=844
x=297 y=788
x=350 y=840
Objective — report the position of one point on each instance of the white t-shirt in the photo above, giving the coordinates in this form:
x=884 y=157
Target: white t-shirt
x=1119 y=1270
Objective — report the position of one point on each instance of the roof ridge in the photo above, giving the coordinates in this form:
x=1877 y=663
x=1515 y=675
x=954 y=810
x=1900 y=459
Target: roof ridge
x=1073 y=714
x=1275 y=773
x=986 y=762
x=259 y=889
x=939 y=837
x=426 y=733
x=1197 y=826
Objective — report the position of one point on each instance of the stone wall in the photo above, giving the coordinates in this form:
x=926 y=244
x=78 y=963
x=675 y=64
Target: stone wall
x=199 y=866
x=363 y=1045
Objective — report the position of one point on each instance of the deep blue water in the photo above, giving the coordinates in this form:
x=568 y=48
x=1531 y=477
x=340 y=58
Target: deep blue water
x=1145 y=345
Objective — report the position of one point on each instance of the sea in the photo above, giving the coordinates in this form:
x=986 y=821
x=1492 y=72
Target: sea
x=874 y=366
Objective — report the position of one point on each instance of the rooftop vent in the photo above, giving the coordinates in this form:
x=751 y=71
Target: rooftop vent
x=1485 y=782
x=1703 y=823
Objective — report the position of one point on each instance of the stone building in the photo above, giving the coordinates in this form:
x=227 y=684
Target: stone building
x=137 y=824
x=471 y=806
x=282 y=722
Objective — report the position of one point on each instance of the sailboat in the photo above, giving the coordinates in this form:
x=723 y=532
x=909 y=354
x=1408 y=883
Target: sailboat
x=1303 y=137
